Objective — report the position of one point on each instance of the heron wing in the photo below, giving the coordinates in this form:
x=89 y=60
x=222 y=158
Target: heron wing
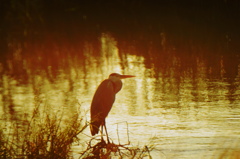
x=102 y=102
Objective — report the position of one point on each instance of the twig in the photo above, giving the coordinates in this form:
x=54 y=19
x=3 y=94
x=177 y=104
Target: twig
x=118 y=135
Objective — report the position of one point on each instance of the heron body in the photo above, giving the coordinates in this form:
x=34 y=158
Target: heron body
x=103 y=100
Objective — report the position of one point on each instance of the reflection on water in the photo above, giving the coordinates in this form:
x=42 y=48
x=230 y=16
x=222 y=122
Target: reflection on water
x=188 y=106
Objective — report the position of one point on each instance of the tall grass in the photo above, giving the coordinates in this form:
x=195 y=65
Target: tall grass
x=44 y=135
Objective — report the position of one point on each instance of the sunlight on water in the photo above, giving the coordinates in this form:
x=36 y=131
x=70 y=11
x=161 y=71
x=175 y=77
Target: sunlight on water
x=185 y=112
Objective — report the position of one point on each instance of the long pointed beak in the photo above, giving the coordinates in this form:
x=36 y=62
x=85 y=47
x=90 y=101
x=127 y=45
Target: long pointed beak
x=126 y=76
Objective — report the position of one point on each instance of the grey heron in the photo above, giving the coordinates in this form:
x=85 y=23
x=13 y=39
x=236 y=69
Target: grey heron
x=103 y=100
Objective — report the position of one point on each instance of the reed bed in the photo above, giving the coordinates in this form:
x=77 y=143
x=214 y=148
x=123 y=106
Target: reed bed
x=45 y=135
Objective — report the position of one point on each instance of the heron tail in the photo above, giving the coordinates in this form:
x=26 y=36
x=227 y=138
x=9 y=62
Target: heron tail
x=94 y=127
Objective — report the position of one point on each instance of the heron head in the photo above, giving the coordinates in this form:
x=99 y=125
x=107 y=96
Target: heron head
x=118 y=76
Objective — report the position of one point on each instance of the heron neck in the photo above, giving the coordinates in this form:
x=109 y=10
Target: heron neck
x=117 y=85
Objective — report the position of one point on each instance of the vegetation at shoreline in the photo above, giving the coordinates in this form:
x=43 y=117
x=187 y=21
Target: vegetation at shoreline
x=186 y=22
x=50 y=135
x=45 y=135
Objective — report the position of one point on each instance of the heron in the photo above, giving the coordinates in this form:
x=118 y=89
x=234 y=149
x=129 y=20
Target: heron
x=102 y=102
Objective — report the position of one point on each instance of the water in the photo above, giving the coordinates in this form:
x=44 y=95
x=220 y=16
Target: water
x=186 y=104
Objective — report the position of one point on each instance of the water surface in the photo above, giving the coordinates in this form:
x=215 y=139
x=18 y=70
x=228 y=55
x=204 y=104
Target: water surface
x=184 y=102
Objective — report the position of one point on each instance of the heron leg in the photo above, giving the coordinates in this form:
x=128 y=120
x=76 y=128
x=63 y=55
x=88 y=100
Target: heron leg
x=106 y=132
x=102 y=133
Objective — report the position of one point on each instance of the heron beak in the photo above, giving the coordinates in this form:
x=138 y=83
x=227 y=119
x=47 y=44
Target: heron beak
x=126 y=76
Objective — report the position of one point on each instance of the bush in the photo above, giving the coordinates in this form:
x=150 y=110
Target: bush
x=45 y=135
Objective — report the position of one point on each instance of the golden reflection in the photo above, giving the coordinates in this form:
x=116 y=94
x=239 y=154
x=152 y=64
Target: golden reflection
x=174 y=101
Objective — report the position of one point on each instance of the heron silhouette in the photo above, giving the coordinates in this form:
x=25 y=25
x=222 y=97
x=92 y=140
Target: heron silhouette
x=103 y=100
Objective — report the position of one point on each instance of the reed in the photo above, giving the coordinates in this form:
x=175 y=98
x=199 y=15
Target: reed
x=44 y=135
